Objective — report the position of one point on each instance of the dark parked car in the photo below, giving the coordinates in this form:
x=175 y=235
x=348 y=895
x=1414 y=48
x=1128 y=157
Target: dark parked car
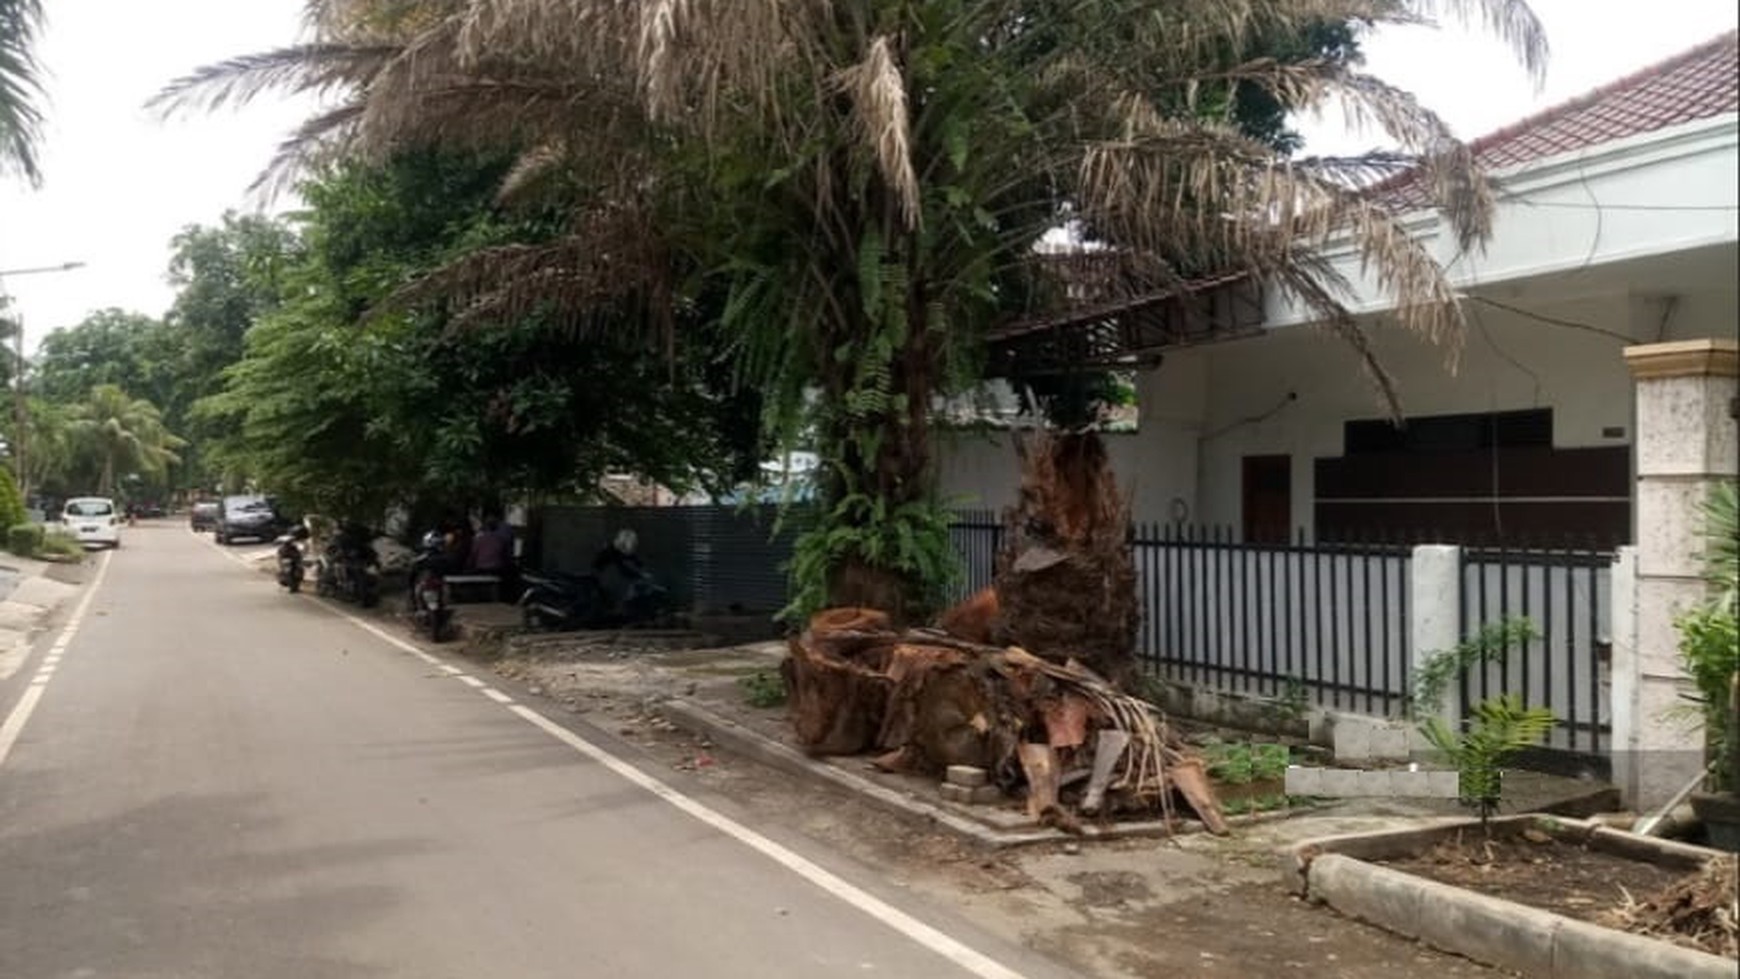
x=248 y=516
x=204 y=515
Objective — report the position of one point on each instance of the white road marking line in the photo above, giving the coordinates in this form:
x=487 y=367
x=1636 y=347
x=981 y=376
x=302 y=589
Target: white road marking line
x=471 y=681
x=974 y=962
x=15 y=721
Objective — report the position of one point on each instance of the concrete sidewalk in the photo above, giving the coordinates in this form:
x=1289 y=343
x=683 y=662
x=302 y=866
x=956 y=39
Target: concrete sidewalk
x=31 y=597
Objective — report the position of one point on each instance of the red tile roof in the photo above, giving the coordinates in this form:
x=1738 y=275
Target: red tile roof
x=1696 y=84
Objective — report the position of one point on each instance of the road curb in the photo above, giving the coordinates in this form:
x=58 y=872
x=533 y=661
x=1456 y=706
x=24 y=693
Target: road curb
x=1335 y=871
x=734 y=737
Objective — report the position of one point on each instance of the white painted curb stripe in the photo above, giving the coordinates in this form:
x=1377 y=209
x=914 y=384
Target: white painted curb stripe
x=974 y=962
x=15 y=721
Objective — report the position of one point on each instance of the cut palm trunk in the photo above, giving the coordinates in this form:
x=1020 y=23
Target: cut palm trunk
x=922 y=700
x=1066 y=584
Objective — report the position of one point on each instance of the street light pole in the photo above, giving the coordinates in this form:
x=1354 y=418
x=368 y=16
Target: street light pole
x=20 y=408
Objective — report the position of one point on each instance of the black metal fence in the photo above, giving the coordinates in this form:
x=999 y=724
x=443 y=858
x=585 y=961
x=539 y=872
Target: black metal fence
x=1325 y=624
x=1320 y=624
x=1310 y=623
x=977 y=536
x=1565 y=596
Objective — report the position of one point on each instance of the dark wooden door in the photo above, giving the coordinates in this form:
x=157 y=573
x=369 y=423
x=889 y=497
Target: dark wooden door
x=1268 y=498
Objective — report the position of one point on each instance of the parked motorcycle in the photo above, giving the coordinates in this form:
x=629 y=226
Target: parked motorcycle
x=561 y=601
x=290 y=559
x=619 y=592
x=349 y=569
x=431 y=608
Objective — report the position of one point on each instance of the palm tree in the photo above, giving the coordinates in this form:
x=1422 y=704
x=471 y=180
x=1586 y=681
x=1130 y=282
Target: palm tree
x=20 y=88
x=859 y=184
x=52 y=454
x=124 y=434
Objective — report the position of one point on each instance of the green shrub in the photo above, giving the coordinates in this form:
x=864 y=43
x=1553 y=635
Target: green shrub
x=1240 y=763
x=24 y=539
x=1710 y=636
x=11 y=504
x=59 y=544
x=1501 y=727
x=763 y=689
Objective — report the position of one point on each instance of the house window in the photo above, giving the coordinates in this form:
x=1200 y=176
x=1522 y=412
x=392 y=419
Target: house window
x=1473 y=478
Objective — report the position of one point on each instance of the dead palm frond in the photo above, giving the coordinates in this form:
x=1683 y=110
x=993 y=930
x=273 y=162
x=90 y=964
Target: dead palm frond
x=319 y=68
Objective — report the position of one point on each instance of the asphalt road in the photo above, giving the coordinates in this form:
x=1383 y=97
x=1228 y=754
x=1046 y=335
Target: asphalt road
x=221 y=780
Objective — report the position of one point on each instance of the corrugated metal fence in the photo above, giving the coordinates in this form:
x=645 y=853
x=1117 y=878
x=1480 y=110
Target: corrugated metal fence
x=713 y=559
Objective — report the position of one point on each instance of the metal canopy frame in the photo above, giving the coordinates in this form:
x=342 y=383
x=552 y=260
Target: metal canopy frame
x=1128 y=334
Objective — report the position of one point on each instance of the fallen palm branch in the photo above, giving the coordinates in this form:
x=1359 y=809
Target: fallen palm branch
x=1701 y=910
x=924 y=700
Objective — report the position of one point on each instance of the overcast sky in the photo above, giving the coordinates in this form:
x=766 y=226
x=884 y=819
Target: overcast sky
x=119 y=183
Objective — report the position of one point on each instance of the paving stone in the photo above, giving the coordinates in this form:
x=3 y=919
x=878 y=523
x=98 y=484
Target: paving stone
x=965 y=775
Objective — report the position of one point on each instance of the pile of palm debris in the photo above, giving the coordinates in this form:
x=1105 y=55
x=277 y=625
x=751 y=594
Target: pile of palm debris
x=923 y=700
x=1701 y=911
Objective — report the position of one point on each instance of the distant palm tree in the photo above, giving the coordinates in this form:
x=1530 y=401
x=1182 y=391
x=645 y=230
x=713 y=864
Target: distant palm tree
x=123 y=433
x=20 y=88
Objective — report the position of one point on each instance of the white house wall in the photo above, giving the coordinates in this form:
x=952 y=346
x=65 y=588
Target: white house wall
x=1654 y=194
x=1509 y=362
x=1156 y=465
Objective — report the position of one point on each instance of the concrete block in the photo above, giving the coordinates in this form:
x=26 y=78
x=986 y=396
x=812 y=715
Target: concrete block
x=965 y=775
x=1390 y=742
x=957 y=793
x=1501 y=933
x=1444 y=785
x=984 y=795
x=1375 y=785
x=1352 y=740
x=1374 y=894
x=1340 y=783
x=1586 y=951
x=1408 y=785
x=1304 y=781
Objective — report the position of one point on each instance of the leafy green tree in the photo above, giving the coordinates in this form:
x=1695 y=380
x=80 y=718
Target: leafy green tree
x=864 y=182
x=109 y=346
x=11 y=503
x=20 y=88
x=123 y=433
x=343 y=412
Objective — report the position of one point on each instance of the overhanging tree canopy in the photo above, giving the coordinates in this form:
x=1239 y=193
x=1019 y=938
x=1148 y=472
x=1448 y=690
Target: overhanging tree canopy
x=863 y=182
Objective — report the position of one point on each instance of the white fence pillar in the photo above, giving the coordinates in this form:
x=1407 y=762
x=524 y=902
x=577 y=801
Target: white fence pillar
x=1625 y=674
x=1436 y=613
x=1685 y=442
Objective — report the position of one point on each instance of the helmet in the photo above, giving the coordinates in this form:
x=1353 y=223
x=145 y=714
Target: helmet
x=625 y=541
x=432 y=541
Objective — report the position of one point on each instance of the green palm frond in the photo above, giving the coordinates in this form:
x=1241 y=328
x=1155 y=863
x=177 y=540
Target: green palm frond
x=21 y=90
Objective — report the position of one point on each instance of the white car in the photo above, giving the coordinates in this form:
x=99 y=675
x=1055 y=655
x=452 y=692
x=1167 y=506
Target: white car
x=93 y=520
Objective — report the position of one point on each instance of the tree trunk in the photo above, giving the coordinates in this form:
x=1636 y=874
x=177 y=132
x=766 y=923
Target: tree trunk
x=1066 y=583
x=900 y=472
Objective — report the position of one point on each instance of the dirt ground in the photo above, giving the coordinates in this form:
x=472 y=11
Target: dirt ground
x=1192 y=905
x=1542 y=872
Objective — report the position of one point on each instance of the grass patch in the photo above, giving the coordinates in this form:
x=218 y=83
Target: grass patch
x=763 y=688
